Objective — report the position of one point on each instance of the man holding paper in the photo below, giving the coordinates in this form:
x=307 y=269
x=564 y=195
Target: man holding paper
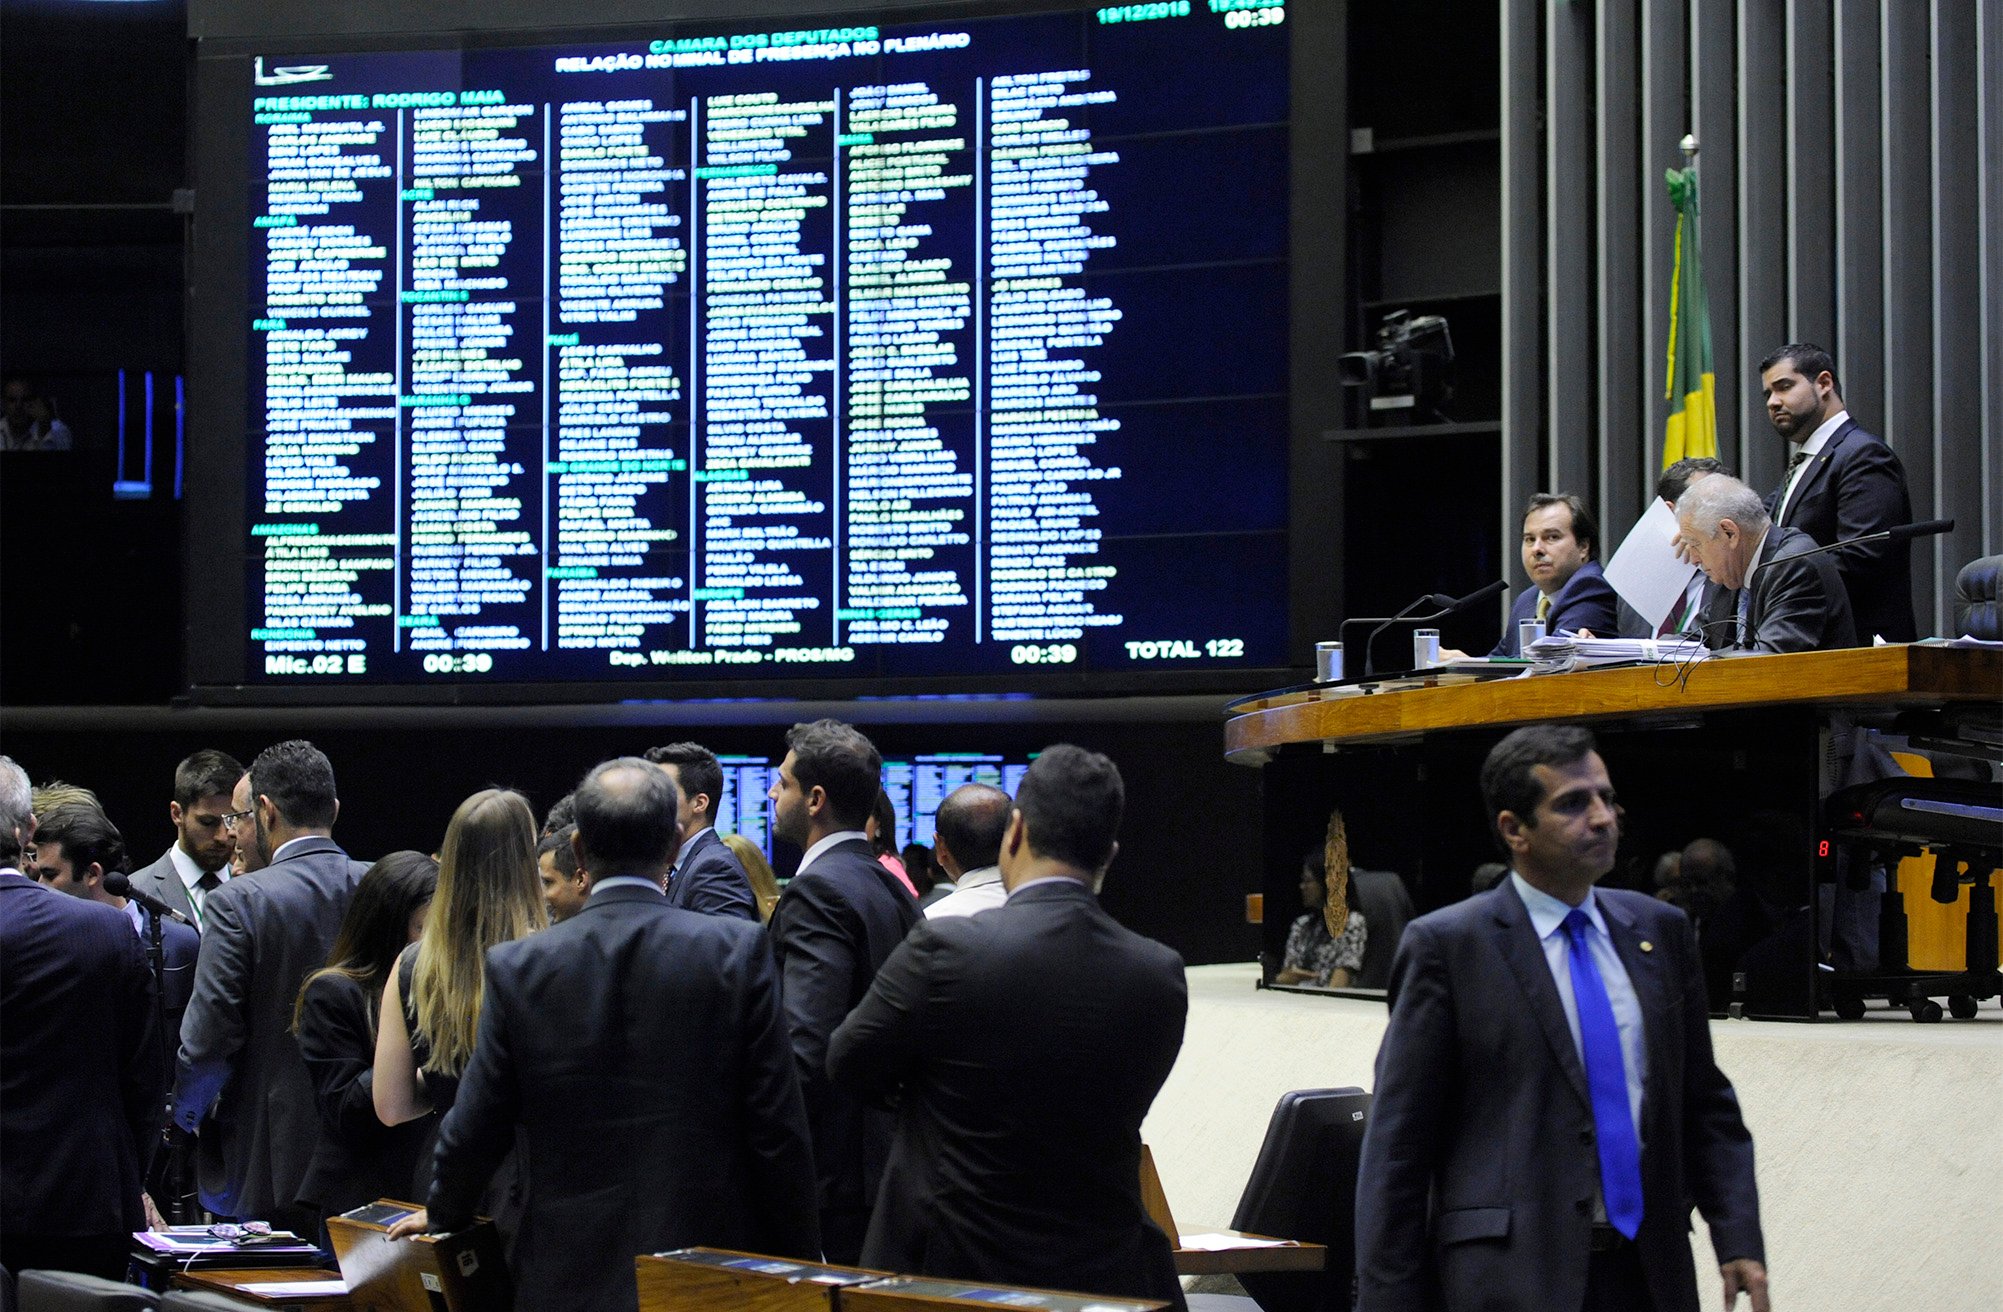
x=1661 y=589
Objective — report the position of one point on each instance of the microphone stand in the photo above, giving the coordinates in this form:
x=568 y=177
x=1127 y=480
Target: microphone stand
x=1447 y=606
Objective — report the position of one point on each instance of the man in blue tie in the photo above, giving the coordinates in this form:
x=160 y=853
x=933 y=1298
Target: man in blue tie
x=1547 y=1107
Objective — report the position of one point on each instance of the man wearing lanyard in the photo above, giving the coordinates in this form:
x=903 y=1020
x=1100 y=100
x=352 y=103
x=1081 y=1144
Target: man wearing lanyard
x=199 y=861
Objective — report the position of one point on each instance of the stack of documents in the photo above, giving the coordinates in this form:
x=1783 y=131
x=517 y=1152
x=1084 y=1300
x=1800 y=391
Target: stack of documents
x=1557 y=653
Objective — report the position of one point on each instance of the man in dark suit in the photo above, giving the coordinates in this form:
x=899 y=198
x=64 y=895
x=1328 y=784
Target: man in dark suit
x=1560 y=539
x=76 y=847
x=1841 y=483
x=975 y=1022
x=1547 y=1107
x=79 y=1077
x=199 y=860
x=706 y=875
x=1772 y=590
x=839 y=918
x=241 y=1080
x=638 y=1054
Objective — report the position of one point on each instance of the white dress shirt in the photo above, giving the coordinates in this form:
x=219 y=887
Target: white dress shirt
x=1816 y=441
x=1547 y=917
x=975 y=891
x=191 y=876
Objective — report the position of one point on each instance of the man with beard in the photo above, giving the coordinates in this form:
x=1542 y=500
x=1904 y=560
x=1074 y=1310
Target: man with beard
x=241 y=1079
x=199 y=861
x=839 y=918
x=1841 y=483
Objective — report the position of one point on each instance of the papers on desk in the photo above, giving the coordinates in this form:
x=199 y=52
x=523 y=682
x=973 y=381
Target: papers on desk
x=1224 y=1243
x=186 y=1240
x=1646 y=571
x=1557 y=653
x=295 y=1288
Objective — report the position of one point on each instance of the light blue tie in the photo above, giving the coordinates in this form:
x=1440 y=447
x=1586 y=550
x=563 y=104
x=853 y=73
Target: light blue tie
x=1606 y=1078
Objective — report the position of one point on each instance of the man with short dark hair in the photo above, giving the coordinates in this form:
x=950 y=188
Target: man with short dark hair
x=1547 y=1106
x=967 y=839
x=1841 y=482
x=80 y=1106
x=839 y=918
x=706 y=876
x=994 y=1175
x=637 y=1052
x=1778 y=593
x=1569 y=594
x=76 y=846
x=564 y=885
x=264 y=932
x=198 y=862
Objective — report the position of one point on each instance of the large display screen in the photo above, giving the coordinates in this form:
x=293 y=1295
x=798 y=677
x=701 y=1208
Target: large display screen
x=862 y=350
x=916 y=785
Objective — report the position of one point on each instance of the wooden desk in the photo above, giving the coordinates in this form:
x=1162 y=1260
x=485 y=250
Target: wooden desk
x=231 y=1281
x=1876 y=677
x=1730 y=749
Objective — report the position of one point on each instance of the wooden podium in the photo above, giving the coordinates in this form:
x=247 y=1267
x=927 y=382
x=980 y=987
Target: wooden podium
x=1739 y=749
x=464 y=1271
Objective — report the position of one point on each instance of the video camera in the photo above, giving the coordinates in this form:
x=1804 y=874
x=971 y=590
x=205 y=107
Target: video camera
x=1408 y=379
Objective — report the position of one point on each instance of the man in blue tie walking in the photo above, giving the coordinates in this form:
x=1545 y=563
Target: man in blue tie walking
x=1547 y=1108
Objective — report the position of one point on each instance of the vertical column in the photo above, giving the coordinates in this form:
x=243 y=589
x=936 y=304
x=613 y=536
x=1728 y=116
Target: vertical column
x=910 y=441
x=768 y=452
x=1522 y=271
x=618 y=572
x=1042 y=319
x=1958 y=420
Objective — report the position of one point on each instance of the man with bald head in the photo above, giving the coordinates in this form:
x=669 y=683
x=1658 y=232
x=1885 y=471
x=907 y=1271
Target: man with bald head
x=637 y=1053
x=967 y=840
x=1783 y=597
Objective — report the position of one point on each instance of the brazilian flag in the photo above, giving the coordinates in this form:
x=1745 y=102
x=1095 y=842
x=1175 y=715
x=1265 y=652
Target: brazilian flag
x=1693 y=386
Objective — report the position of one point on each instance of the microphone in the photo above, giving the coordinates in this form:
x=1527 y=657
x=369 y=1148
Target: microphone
x=119 y=885
x=1445 y=606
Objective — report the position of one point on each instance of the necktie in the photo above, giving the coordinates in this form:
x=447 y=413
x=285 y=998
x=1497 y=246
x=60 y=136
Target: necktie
x=1543 y=606
x=1673 y=623
x=1606 y=1080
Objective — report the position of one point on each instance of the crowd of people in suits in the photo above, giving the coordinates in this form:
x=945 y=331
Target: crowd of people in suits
x=607 y=1031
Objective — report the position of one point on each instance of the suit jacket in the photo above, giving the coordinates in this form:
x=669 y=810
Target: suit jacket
x=1587 y=601
x=163 y=881
x=1852 y=486
x=1479 y=1169
x=357 y=1159
x=976 y=1021
x=1798 y=601
x=640 y=1053
x=711 y=881
x=80 y=1077
x=833 y=928
x=239 y=1067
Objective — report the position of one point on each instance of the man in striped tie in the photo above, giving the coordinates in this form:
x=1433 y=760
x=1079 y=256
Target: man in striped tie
x=1547 y=1107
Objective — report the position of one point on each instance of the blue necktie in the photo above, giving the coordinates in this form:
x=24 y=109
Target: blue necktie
x=1606 y=1078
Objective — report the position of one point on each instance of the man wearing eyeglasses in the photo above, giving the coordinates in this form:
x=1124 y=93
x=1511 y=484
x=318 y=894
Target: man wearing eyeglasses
x=199 y=861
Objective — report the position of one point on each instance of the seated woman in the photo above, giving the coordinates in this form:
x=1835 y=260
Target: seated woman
x=359 y=1159
x=1316 y=958
x=489 y=891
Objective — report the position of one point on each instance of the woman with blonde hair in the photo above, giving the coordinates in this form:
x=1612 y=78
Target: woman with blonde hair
x=489 y=892
x=764 y=884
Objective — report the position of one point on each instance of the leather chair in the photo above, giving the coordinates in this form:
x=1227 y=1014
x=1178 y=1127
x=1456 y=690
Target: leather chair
x=1304 y=1187
x=1975 y=599
x=67 y=1291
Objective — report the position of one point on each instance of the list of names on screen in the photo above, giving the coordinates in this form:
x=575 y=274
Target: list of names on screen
x=863 y=351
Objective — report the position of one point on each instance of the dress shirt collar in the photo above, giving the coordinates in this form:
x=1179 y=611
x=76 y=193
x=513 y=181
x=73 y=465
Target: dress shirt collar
x=1032 y=883
x=1823 y=431
x=815 y=852
x=136 y=916
x=291 y=843
x=1547 y=913
x=622 y=881
x=693 y=841
x=977 y=877
x=190 y=873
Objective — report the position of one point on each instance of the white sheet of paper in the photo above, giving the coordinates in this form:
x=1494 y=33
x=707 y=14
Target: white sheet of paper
x=1218 y=1243
x=1645 y=571
x=297 y=1288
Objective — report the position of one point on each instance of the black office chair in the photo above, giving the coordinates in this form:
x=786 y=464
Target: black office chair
x=1304 y=1187
x=1975 y=599
x=203 y=1300
x=67 y=1291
